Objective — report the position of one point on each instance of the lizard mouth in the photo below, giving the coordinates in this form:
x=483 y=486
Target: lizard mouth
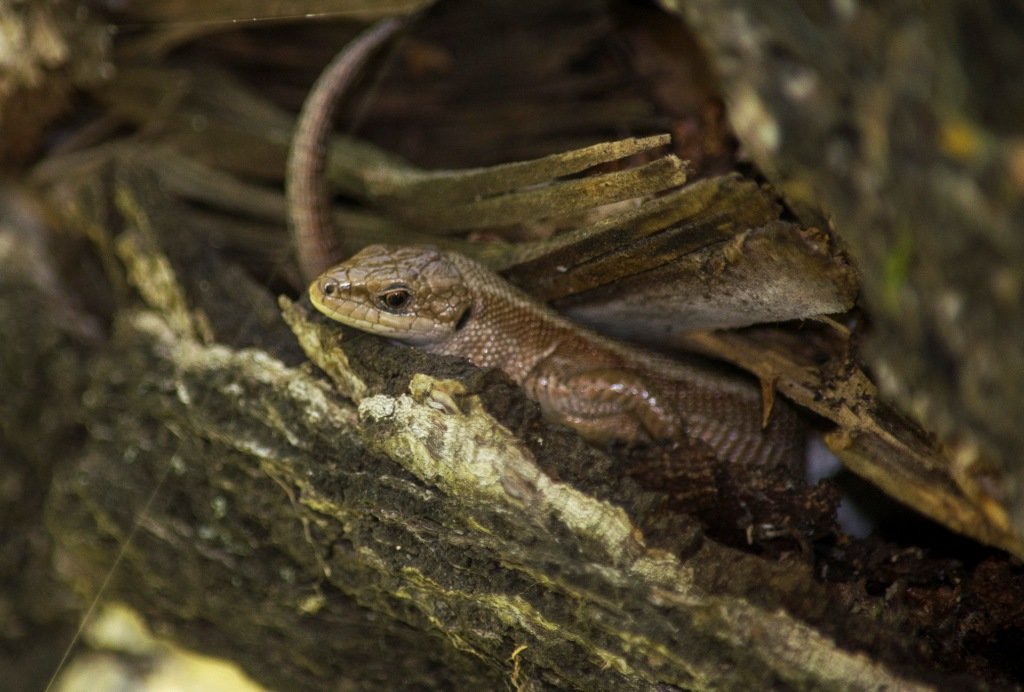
x=339 y=306
x=333 y=303
x=326 y=296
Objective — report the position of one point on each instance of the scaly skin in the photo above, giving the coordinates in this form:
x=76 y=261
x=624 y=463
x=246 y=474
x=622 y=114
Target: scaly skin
x=446 y=303
x=309 y=204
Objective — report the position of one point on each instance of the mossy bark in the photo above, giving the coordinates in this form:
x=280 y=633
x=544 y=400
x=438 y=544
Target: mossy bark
x=328 y=509
x=414 y=524
x=904 y=122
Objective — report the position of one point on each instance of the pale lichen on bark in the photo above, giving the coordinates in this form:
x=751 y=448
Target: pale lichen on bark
x=408 y=520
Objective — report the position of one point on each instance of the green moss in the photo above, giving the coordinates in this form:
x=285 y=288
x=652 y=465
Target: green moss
x=896 y=269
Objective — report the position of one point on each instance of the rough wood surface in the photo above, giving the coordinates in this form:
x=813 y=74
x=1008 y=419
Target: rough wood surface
x=46 y=53
x=386 y=519
x=904 y=121
x=416 y=513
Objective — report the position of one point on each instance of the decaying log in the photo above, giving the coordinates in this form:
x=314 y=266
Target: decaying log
x=417 y=514
x=327 y=509
x=48 y=50
x=904 y=122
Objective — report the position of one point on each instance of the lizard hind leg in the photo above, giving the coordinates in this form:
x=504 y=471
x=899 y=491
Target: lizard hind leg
x=609 y=405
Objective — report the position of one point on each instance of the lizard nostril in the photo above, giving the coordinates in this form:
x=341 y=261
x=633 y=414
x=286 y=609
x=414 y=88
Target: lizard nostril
x=329 y=287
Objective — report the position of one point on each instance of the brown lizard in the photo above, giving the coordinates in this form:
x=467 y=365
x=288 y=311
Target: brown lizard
x=446 y=303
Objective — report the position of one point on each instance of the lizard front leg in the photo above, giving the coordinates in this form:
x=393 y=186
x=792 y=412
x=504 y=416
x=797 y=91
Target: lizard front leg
x=605 y=404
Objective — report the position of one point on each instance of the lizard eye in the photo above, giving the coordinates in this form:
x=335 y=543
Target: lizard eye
x=395 y=299
x=329 y=287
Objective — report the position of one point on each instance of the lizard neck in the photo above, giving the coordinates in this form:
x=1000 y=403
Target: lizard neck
x=506 y=328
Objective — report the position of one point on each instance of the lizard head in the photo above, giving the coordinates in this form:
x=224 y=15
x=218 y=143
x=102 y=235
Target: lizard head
x=414 y=294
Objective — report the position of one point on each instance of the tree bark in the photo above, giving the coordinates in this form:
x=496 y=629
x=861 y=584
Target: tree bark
x=417 y=516
x=904 y=122
x=327 y=509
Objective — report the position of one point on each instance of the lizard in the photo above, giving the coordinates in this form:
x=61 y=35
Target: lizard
x=446 y=303
x=449 y=304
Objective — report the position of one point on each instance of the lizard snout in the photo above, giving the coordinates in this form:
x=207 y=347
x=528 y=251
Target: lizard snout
x=331 y=287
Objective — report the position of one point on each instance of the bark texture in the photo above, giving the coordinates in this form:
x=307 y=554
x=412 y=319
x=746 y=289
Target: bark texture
x=330 y=510
x=415 y=516
x=904 y=122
